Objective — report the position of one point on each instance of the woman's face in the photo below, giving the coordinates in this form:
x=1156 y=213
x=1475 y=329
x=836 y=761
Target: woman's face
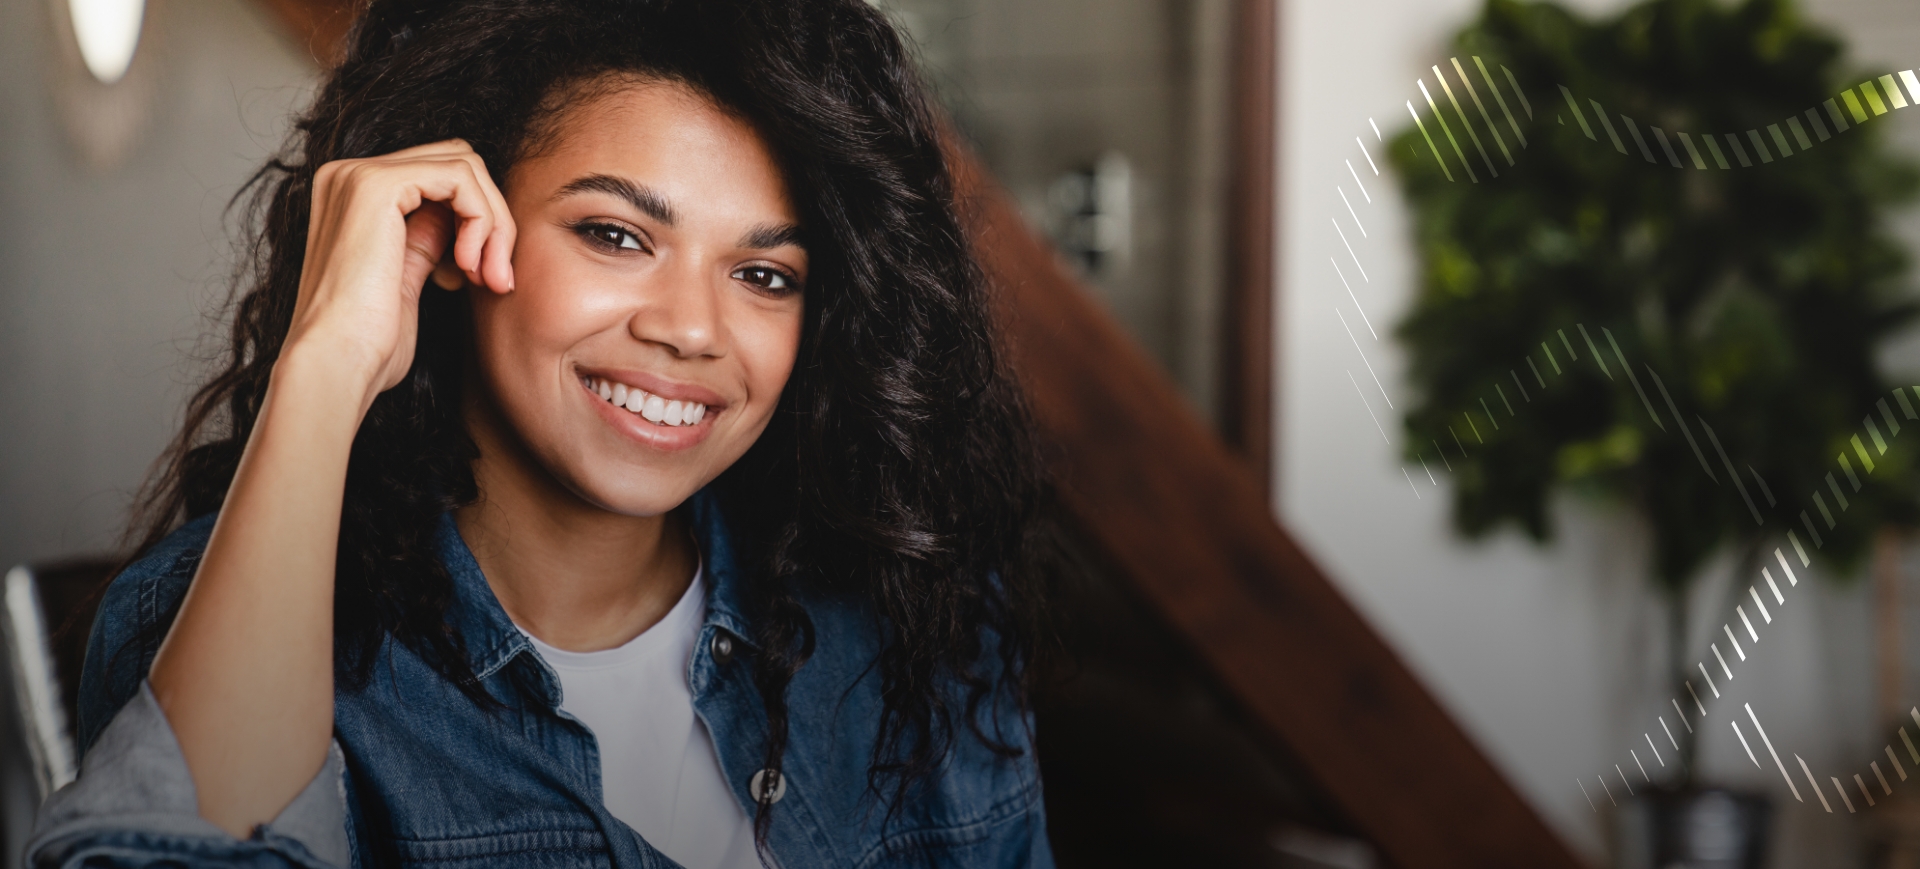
x=657 y=308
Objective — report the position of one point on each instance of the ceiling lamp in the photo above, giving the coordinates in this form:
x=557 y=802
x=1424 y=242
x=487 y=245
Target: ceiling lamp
x=103 y=74
x=108 y=32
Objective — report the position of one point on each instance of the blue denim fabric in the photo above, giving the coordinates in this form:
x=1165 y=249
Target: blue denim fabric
x=431 y=779
x=135 y=799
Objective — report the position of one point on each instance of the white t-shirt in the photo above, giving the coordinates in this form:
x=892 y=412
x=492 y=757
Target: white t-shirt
x=658 y=770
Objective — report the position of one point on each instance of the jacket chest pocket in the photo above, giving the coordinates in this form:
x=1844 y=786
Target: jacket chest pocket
x=545 y=849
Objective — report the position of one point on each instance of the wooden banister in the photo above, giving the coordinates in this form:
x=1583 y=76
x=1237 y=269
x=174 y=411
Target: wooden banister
x=1187 y=523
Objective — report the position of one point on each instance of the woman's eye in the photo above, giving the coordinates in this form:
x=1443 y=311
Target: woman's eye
x=610 y=236
x=767 y=278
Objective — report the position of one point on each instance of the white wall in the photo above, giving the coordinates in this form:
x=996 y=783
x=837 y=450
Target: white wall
x=108 y=274
x=1550 y=656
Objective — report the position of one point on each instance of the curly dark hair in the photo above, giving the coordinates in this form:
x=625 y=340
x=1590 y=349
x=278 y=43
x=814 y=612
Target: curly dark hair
x=898 y=466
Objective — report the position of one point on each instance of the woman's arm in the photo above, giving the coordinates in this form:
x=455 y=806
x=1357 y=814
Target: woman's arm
x=245 y=675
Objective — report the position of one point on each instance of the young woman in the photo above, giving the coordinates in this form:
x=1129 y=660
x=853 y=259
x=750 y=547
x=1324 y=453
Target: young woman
x=611 y=467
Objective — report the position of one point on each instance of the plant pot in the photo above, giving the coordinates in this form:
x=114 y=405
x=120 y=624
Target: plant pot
x=1702 y=828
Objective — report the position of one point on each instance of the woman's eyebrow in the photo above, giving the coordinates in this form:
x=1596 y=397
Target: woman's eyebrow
x=640 y=196
x=768 y=236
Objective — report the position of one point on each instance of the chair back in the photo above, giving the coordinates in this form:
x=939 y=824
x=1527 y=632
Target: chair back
x=45 y=613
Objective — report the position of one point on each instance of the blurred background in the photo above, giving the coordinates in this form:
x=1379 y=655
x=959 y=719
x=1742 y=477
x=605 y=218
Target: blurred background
x=1257 y=295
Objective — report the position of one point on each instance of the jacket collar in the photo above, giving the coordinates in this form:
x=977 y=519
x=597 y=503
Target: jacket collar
x=490 y=635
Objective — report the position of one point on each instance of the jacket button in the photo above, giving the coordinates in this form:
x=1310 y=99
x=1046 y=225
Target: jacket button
x=722 y=647
x=758 y=786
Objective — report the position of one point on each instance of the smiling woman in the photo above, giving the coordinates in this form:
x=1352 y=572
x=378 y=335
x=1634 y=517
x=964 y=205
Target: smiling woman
x=686 y=521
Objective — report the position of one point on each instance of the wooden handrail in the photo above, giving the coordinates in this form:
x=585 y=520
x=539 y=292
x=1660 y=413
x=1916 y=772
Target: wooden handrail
x=1188 y=525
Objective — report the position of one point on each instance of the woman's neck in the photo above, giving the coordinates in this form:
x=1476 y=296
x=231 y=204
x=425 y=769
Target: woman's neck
x=577 y=577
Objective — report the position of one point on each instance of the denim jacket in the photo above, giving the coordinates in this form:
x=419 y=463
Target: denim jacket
x=423 y=776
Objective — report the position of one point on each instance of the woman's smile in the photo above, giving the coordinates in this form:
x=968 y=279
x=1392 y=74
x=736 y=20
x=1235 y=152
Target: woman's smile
x=653 y=410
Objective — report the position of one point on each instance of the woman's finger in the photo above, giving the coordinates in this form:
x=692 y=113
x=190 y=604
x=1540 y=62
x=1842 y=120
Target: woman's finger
x=476 y=233
x=452 y=181
x=442 y=148
x=428 y=229
x=497 y=262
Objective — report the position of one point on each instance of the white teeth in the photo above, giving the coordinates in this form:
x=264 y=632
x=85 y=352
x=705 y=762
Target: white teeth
x=651 y=407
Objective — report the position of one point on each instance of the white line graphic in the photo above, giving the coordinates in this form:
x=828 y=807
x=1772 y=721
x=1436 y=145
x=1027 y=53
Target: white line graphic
x=1471 y=92
x=1369 y=406
x=1356 y=299
x=1363 y=151
x=1444 y=128
x=1356 y=179
x=1464 y=123
x=1743 y=743
x=1775 y=755
x=1502 y=101
x=1363 y=355
x=1430 y=146
x=1813 y=784
x=1518 y=93
x=1356 y=257
x=1709 y=678
x=1356 y=214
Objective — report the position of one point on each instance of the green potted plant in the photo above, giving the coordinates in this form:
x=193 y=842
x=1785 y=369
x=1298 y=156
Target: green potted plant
x=1748 y=303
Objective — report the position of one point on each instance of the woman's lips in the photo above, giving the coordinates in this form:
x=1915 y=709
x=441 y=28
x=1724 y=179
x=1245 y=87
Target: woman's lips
x=649 y=417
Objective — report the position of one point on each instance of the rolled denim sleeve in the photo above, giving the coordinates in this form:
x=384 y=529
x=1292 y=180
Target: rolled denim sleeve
x=134 y=805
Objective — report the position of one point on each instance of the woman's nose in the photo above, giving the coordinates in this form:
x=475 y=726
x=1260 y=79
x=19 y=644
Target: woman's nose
x=682 y=313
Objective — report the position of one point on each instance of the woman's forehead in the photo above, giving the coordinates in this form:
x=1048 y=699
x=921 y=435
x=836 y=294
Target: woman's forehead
x=663 y=136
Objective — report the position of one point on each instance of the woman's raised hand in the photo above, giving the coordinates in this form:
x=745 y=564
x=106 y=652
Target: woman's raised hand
x=380 y=227
x=245 y=675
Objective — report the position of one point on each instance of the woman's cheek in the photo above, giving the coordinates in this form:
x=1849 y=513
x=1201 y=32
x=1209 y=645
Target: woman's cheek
x=775 y=345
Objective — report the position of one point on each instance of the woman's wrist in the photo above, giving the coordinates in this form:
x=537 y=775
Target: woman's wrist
x=337 y=380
